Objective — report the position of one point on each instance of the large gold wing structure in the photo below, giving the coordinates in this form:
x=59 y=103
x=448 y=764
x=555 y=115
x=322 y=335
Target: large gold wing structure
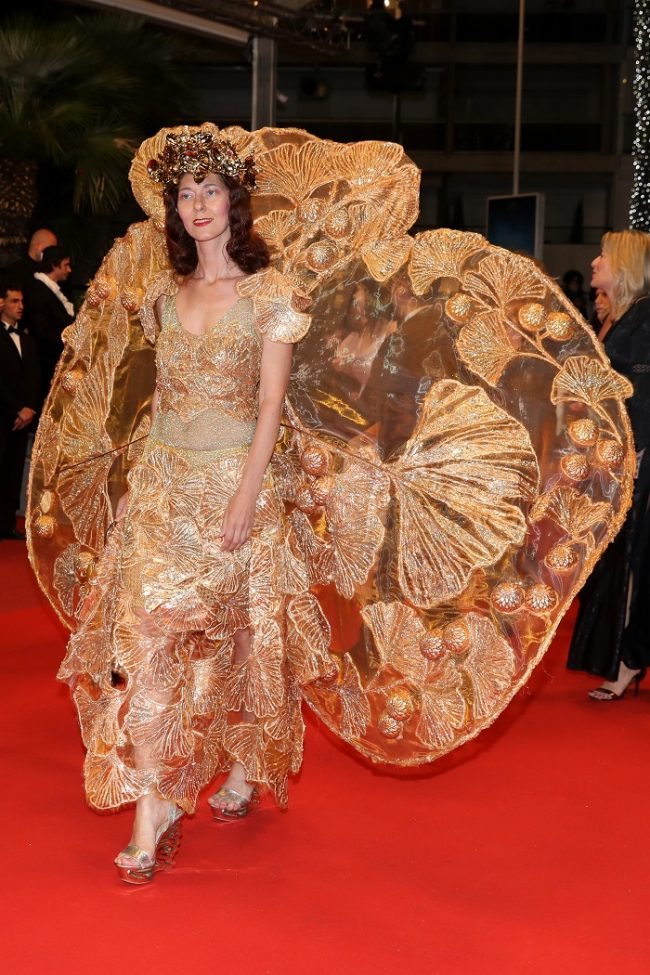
x=456 y=450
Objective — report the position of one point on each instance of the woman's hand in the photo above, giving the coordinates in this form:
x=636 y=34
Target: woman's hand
x=122 y=504
x=238 y=520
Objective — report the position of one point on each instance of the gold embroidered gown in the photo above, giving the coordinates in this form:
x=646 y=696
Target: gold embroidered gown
x=426 y=520
x=163 y=697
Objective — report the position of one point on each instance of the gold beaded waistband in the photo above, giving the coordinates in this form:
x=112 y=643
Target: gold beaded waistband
x=198 y=458
x=209 y=430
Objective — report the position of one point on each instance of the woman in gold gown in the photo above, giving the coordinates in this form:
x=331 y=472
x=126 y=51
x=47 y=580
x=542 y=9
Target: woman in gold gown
x=197 y=540
x=399 y=560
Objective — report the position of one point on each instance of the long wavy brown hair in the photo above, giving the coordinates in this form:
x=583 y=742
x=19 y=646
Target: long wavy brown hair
x=245 y=247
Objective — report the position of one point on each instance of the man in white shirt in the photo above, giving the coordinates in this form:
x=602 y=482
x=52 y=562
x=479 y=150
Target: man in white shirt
x=22 y=271
x=48 y=311
x=19 y=395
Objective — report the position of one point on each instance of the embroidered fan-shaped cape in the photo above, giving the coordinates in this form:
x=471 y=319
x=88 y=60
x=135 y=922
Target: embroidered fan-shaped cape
x=456 y=452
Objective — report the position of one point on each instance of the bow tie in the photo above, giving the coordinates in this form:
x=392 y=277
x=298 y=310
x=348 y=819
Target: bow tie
x=12 y=328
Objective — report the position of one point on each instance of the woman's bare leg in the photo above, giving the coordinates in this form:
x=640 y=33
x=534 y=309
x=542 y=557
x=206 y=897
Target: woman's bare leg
x=151 y=810
x=237 y=776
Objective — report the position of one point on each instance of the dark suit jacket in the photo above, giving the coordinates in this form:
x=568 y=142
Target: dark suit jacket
x=19 y=375
x=46 y=317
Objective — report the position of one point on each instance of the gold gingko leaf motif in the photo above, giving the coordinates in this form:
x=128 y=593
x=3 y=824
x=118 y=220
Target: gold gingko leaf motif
x=443 y=709
x=275 y=227
x=362 y=488
x=398 y=631
x=489 y=664
x=440 y=254
x=47 y=446
x=384 y=257
x=295 y=172
x=64 y=576
x=308 y=639
x=256 y=683
x=82 y=490
x=208 y=678
x=181 y=782
x=355 y=710
x=246 y=143
x=484 y=346
x=460 y=484
x=111 y=782
x=244 y=742
x=272 y=285
x=98 y=719
x=279 y=322
x=314 y=551
x=364 y=163
x=502 y=277
x=164 y=728
x=391 y=206
x=576 y=513
x=588 y=381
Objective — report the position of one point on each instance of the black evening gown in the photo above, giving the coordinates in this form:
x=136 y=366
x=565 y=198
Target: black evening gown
x=606 y=631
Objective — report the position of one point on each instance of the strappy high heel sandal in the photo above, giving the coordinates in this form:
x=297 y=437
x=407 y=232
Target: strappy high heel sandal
x=242 y=805
x=168 y=840
x=606 y=694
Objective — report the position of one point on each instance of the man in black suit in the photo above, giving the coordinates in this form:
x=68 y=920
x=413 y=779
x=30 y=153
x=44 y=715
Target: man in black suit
x=48 y=311
x=19 y=395
x=22 y=271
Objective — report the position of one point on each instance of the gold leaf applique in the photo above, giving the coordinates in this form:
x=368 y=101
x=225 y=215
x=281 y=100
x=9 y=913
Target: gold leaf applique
x=276 y=227
x=86 y=447
x=588 y=381
x=355 y=710
x=355 y=540
x=98 y=719
x=164 y=728
x=109 y=782
x=397 y=631
x=440 y=254
x=256 y=683
x=245 y=744
x=308 y=640
x=502 y=277
x=295 y=172
x=384 y=257
x=490 y=664
x=484 y=346
x=460 y=483
x=366 y=163
x=576 y=513
x=443 y=708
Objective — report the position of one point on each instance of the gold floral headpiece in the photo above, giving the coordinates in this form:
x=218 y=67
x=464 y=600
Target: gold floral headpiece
x=199 y=153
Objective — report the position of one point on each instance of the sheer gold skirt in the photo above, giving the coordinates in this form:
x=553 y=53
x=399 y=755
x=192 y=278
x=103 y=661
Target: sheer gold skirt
x=165 y=699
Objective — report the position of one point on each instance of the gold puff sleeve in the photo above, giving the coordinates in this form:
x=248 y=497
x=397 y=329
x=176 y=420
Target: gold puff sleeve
x=274 y=298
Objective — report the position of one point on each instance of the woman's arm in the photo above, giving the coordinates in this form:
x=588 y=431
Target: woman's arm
x=274 y=379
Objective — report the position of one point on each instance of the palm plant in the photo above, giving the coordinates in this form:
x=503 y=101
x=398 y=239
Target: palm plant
x=77 y=95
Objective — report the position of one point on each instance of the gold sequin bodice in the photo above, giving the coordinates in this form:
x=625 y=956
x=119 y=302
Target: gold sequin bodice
x=207 y=384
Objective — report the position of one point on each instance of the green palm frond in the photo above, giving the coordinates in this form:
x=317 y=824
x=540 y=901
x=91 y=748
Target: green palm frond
x=102 y=165
x=82 y=92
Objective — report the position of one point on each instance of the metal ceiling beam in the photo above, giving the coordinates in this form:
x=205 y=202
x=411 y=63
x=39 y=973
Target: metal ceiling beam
x=168 y=15
x=237 y=20
x=321 y=32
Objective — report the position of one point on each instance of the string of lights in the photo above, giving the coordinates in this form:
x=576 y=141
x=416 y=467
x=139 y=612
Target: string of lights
x=640 y=200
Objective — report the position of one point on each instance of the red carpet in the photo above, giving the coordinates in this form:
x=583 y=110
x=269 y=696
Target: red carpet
x=522 y=852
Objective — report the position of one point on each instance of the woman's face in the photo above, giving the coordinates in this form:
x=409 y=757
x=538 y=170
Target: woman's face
x=602 y=275
x=204 y=207
x=602 y=305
